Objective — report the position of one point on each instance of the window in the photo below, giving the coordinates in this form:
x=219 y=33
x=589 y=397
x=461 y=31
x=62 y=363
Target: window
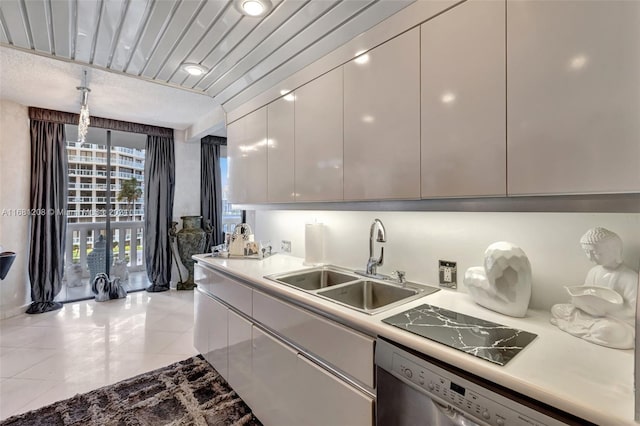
x=87 y=252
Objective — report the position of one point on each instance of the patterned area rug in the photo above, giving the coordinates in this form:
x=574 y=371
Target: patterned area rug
x=189 y=392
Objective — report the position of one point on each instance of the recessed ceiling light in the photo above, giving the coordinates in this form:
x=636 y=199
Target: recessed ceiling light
x=194 y=69
x=253 y=7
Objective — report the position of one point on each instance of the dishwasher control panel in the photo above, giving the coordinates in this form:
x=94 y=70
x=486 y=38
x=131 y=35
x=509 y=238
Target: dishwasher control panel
x=475 y=402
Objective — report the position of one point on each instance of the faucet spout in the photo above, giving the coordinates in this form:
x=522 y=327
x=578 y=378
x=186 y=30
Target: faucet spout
x=377 y=230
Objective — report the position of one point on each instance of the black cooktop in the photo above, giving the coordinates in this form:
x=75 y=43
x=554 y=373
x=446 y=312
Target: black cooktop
x=485 y=339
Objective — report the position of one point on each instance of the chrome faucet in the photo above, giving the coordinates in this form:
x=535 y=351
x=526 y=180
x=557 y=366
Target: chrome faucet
x=373 y=263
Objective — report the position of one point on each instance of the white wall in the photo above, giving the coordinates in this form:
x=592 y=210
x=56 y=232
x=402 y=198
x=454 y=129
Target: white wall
x=417 y=240
x=15 y=163
x=187 y=193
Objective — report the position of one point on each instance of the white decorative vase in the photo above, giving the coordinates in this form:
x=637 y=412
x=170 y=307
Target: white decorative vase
x=504 y=283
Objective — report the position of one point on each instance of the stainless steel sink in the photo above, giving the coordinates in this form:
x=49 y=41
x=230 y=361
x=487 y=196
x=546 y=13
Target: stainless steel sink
x=374 y=296
x=368 y=294
x=345 y=287
x=316 y=278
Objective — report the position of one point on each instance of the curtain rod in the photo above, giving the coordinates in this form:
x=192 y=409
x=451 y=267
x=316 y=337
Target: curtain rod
x=62 y=117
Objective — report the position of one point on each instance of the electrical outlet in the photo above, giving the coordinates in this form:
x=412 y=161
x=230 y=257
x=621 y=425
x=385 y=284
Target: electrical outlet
x=285 y=246
x=448 y=272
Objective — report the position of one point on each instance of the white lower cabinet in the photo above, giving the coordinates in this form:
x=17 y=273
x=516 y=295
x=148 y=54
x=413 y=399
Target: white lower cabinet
x=346 y=349
x=271 y=370
x=327 y=400
x=201 y=320
x=240 y=368
x=274 y=397
x=211 y=332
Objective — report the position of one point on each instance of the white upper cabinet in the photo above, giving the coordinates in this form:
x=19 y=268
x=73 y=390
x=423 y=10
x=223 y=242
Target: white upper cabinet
x=573 y=76
x=318 y=139
x=463 y=102
x=247 y=156
x=382 y=121
x=280 y=151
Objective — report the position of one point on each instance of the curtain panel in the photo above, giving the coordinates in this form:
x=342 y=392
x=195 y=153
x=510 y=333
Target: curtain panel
x=211 y=185
x=49 y=174
x=102 y=123
x=159 y=182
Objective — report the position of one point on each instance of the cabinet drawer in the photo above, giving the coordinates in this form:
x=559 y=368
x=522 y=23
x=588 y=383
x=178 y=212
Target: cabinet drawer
x=341 y=404
x=225 y=288
x=345 y=349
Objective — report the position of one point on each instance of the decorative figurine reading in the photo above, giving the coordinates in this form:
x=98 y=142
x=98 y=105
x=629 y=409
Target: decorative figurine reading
x=603 y=308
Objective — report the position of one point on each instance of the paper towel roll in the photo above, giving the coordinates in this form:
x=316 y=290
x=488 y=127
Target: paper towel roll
x=313 y=243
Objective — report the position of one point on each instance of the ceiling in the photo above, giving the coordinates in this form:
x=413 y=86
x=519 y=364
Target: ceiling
x=134 y=51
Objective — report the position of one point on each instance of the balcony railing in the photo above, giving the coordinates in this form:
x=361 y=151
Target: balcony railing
x=100 y=212
x=97 y=147
x=100 y=200
x=81 y=236
x=98 y=186
x=85 y=159
x=103 y=173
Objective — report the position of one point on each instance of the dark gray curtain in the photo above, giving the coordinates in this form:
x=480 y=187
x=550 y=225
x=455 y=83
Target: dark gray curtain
x=211 y=185
x=159 y=186
x=48 y=221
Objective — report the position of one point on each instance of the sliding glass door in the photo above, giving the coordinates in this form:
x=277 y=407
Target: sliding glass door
x=105 y=211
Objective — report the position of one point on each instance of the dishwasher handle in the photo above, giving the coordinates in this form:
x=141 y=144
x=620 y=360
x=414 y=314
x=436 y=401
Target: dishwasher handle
x=456 y=417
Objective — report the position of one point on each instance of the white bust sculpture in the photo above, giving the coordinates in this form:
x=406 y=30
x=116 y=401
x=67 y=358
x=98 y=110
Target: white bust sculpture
x=614 y=328
x=503 y=284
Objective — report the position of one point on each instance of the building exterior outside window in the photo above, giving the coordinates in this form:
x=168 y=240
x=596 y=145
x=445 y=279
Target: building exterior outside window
x=88 y=182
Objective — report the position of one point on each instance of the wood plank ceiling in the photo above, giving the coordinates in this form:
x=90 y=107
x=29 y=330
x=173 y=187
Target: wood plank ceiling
x=152 y=39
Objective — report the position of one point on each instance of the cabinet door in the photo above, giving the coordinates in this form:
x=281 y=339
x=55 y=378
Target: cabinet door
x=275 y=383
x=240 y=369
x=223 y=287
x=463 y=101
x=247 y=157
x=382 y=121
x=217 y=353
x=202 y=319
x=280 y=152
x=342 y=347
x=329 y=401
x=318 y=139
x=573 y=74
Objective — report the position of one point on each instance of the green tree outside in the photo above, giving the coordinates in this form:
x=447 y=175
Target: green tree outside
x=129 y=193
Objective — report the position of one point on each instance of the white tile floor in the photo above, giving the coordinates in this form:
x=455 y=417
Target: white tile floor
x=49 y=357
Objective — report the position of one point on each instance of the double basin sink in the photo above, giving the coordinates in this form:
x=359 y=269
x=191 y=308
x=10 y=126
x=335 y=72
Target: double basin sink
x=354 y=291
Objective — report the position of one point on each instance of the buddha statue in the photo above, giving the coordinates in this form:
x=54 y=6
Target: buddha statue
x=615 y=328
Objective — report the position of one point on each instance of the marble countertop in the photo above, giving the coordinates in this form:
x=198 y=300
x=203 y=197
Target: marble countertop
x=586 y=380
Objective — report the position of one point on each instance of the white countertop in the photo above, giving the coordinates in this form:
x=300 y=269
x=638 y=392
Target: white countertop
x=581 y=378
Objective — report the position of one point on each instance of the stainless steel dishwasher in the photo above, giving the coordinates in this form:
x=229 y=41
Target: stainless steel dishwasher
x=413 y=389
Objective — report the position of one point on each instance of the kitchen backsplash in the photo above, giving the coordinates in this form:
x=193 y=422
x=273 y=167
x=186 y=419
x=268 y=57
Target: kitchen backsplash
x=417 y=240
